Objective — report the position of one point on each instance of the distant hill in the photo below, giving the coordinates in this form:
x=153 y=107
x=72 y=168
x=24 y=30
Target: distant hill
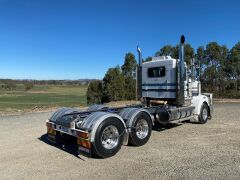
x=48 y=82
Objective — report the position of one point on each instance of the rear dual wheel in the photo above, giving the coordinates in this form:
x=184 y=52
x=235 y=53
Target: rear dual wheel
x=141 y=130
x=108 y=138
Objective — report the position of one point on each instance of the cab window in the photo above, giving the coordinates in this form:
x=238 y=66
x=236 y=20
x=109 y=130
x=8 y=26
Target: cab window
x=156 y=72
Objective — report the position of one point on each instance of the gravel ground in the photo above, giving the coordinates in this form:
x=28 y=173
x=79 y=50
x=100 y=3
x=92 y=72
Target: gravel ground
x=187 y=151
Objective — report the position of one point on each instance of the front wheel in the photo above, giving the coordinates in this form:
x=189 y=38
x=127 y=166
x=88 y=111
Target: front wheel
x=203 y=116
x=141 y=130
x=108 y=138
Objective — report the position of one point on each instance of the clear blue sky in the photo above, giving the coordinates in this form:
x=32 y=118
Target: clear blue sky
x=73 y=39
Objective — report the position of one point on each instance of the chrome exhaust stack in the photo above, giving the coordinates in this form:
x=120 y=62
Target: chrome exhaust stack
x=139 y=74
x=181 y=74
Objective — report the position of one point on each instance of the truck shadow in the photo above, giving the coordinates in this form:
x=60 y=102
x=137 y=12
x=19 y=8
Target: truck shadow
x=160 y=127
x=70 y=148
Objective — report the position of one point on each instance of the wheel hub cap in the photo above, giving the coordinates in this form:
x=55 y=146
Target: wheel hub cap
x=142 y=129
x=205 y=114
x=110 y=137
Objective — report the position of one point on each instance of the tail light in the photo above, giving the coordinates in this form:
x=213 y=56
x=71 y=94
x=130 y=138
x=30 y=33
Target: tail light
x=84 y=135
x=49 y=125
x=84 y=143
x=50 y=129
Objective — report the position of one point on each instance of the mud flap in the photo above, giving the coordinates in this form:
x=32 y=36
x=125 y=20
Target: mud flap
x=84 y=147
x=52 y=135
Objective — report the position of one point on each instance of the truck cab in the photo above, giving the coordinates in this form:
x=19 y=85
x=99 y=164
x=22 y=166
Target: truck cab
x=159 y=78
x=160 y=85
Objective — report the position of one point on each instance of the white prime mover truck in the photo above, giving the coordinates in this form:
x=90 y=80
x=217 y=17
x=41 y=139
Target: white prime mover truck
x=168 y=92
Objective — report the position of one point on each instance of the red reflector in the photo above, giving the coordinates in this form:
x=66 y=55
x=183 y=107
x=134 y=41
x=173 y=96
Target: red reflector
x=83 y=135
x=84 y=143
x=49 y=125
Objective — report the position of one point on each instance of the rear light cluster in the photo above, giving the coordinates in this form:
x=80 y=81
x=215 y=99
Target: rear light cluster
x=49 y=125
x=50 y=130
x=83 y=135
x=83 y=139
x=84 y=143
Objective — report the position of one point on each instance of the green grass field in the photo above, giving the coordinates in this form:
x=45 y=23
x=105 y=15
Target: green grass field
x=42 y=97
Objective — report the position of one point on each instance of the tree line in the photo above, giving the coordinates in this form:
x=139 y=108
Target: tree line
x=11 y=84
x=47 y=82
x=218 y=71
x=117 y=84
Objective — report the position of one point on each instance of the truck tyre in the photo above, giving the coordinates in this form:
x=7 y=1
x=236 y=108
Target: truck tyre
x=203 y=116
x=141 y=130
x=108 y=138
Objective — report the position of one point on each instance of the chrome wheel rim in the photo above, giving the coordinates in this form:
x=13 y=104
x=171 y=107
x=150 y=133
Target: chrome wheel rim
x=110 y=137
x=142 y=129
x=205 y=113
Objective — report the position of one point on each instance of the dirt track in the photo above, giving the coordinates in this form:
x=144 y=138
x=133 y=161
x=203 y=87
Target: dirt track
x=187 y=151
